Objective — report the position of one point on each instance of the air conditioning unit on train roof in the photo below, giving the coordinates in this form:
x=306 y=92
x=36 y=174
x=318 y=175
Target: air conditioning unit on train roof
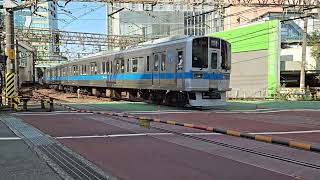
x=169 y=38
x=157 y=41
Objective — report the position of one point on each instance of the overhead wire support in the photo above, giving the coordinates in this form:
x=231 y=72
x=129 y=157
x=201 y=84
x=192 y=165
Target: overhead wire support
x=66 y=37
x=252 y=3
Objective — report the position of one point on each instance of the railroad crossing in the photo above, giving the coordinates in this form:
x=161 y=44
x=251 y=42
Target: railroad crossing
x=67 y=120
x=94 y=141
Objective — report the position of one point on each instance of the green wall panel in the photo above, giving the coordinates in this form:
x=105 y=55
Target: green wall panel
x=261 y=36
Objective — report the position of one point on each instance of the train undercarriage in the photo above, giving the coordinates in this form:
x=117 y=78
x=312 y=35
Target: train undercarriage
x=164 y=97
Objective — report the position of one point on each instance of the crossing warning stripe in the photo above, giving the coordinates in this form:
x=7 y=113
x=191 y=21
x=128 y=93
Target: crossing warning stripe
x=10 y=85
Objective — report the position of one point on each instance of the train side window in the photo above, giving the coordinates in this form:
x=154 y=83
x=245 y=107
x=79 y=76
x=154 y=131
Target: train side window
x=122 y=66
x=180 y=60
x=128 y=65
x=163 y=62
x=111 y=67
x=148 y=63
x=93 y=69
x=214 y=60
x=117 y=66
x=107 y=67
x=134 y=65
x=84 y=69
x=103 y=67
x=156 y=62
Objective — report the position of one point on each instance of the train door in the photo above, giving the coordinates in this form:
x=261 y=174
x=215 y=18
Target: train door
x=156 y=70
x=215 y=61
x=179 y=76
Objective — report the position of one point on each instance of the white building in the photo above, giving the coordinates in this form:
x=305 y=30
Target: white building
x=162 y=20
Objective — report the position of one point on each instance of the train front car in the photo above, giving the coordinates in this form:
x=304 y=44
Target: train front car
x=209 y=64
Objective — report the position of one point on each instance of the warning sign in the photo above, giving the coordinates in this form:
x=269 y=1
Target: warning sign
x=11 y=54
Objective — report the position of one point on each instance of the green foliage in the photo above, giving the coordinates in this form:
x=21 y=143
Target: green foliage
x=314 y=42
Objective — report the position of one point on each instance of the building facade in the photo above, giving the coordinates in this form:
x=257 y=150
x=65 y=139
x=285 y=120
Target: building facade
x=44 y=17
x=290 y=51
x=162 y=20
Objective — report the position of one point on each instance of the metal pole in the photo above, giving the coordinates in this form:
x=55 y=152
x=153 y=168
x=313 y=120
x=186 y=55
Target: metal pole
x=16 y=62
x=303 y=58
x=33 y=68
x=9 y=23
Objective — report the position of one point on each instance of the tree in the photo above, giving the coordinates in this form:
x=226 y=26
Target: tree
x=314 y=42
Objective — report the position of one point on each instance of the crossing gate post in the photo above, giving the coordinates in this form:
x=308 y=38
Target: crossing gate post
x=42 y=104
x=51 y=104
x=10 y=89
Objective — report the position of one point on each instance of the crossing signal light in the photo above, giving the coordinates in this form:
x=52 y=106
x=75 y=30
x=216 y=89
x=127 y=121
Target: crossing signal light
x=56 y=39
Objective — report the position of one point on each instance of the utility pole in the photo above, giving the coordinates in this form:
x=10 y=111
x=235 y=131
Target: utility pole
x=11 y=76
x=9 y=40
x=303 y=58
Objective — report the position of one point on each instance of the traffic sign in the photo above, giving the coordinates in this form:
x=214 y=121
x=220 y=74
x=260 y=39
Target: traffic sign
x=11 y=54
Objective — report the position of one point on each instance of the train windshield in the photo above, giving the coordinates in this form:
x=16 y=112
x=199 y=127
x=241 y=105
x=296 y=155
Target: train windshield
x=225 y=55
x=200 y=52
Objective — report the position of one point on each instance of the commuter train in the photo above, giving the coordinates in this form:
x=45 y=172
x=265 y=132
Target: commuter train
x=187 y=70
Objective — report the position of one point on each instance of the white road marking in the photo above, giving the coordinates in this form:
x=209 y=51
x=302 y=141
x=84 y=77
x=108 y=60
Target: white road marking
x=289 y=132
x=51 y=113
x=162 y=134
x=264 y=111
x=162 y=112
x=9 y=138
x=112 y=135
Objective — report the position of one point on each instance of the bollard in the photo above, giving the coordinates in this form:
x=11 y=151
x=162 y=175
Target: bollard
x=24 y=107
x=51 y=105
x=42 y=104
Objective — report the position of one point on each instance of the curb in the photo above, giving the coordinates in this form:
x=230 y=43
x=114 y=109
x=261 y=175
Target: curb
x=261 y=138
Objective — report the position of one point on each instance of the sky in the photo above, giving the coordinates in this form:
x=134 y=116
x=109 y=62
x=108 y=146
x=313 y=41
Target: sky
x=82 y=17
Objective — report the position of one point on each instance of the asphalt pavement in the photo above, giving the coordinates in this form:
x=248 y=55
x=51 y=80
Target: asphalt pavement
x=128 y=151
x=18 y=161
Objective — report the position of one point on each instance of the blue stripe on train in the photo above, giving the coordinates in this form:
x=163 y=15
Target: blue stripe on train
x=146 y=76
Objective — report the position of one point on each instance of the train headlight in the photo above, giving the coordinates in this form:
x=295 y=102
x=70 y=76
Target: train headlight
x=197 y=76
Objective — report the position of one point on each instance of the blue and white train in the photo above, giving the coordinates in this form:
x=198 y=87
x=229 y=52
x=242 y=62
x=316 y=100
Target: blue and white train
x=186 y=70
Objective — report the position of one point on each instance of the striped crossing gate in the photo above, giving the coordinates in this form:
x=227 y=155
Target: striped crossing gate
x=10 y=85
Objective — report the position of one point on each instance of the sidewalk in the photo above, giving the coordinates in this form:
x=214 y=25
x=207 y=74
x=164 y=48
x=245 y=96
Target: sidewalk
x=18 y=161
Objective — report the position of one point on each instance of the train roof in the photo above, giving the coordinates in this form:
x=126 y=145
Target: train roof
x=141 y=46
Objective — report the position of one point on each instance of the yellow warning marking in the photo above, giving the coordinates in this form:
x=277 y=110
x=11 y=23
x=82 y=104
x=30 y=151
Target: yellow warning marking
x=263 y=138
x=156 y=120
x=142 y=118
x=10 y=85
x=233 y=133
x=210 y=129
x=299 y=145
x=188 y=125
x=171 y=122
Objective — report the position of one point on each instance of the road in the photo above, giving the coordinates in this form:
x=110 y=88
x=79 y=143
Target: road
x=127 y=151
